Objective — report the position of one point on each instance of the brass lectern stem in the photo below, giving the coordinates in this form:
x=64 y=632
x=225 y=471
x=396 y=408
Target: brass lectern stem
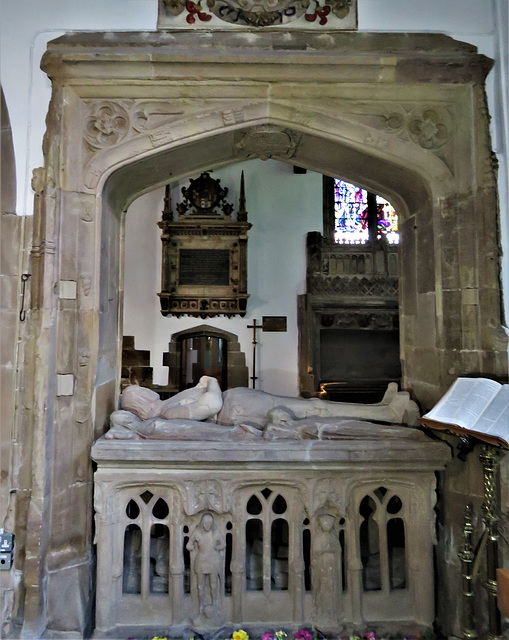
x=489 y=458
x=467 y=558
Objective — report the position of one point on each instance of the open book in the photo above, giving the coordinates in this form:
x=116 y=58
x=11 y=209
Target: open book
x=473 y=406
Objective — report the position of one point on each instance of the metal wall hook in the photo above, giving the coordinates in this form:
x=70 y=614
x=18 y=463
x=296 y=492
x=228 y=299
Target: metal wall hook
x=23 y=313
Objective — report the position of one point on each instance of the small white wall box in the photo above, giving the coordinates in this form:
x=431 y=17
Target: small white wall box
x=6 y=550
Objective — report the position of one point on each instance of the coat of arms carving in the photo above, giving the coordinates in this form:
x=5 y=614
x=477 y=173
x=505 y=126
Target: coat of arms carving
x=335 y=14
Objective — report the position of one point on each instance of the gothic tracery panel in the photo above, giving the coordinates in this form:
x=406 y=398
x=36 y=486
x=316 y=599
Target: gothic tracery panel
x=355 y=546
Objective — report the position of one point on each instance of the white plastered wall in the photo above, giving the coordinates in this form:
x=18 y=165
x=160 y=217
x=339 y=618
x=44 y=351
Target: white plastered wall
x=282 y=207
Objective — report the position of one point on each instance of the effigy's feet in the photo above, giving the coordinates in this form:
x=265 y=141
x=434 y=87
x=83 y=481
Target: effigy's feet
x=403 y=410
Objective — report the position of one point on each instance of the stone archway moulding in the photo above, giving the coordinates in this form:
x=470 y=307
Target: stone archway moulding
x=237 y=371
x=405 y=116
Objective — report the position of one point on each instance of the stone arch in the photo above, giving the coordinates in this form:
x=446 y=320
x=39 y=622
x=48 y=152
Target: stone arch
x=342 y=94
x=236 y=359
x=12 y=237
x=8 y=169
x=120 y=185
x=354 y=138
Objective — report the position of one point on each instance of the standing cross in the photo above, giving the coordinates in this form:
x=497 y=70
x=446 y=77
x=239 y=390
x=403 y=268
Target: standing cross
x=254 y=327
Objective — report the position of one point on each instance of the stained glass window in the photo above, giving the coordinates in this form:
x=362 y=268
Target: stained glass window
x=387 y=221
x=350 y=213
x=354 y=215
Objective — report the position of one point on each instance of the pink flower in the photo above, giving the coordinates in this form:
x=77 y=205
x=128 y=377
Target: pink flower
x=303 y=634
x=267 y=636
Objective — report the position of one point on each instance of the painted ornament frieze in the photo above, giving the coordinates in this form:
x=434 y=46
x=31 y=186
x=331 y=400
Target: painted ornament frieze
x=337 y=14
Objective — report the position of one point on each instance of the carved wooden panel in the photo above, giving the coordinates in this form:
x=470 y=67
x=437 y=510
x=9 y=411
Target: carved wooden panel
x=349 y=320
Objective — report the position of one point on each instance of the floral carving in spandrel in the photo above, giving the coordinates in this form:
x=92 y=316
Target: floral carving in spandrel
x=106 y=125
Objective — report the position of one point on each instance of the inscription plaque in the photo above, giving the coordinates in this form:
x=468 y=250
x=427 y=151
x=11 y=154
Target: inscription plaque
x=207 y=267
x=273 y=323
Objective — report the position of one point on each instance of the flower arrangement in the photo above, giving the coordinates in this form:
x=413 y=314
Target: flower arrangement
x=305 y=634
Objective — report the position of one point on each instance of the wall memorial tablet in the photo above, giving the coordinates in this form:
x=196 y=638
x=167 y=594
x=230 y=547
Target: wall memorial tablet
x=204 y=263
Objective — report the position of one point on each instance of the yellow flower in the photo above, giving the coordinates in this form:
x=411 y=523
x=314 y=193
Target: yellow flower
x=240 y=635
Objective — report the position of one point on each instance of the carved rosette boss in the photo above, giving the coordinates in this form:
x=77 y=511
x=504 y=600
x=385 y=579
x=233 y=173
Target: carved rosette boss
x=106 y=124
x=429 y=128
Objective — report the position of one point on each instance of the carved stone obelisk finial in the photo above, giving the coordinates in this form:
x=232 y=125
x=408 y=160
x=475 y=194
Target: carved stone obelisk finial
x=242 y=213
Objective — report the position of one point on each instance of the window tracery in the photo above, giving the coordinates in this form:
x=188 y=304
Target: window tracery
x=382 y=541
x=146 y=560
x=267 y=542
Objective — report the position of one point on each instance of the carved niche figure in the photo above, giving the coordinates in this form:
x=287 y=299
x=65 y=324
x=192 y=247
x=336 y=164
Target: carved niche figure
x=326 y=569
x=207 y=544
x=132 y=561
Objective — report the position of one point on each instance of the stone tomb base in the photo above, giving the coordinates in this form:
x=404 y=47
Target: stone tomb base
x=264 y=535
